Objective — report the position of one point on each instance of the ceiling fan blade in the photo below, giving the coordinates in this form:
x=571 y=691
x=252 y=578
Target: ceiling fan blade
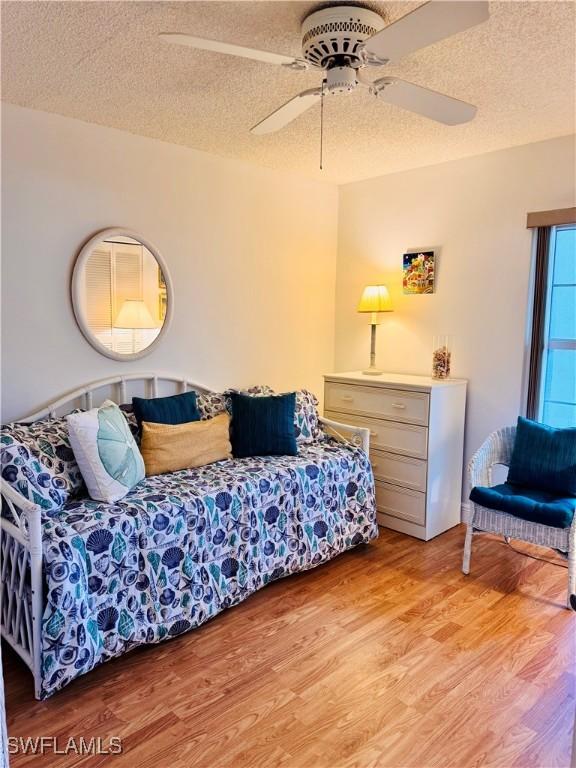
x=232 y=50
x=427 y=24
x=423 y=101
x=288 y=112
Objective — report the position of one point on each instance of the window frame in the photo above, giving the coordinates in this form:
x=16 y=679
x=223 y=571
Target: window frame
x=546 y=343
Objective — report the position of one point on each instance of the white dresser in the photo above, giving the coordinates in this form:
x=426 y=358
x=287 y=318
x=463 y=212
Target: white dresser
x=416 y=444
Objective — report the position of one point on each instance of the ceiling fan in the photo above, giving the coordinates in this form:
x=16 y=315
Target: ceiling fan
x=346 y=40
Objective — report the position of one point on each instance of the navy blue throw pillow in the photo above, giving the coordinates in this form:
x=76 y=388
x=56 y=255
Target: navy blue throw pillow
x=178 y=409
x=544 y=457
x=263 y=426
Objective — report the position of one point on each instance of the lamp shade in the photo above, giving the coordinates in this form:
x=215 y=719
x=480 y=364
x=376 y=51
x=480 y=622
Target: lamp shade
x=375 y=298
x=134 y=314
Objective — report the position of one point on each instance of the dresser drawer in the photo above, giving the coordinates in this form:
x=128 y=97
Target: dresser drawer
x=401 y=502
x=389 y=436
x=399 y=470
x=395 y=404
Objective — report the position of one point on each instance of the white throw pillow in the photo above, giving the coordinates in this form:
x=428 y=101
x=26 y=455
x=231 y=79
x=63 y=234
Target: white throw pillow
x=106 y=452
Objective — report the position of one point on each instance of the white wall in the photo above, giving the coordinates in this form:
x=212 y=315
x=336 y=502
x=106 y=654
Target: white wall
x=473 y=213
x=251 y=252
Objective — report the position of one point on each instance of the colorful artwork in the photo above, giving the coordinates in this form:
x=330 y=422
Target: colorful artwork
x=162 y=306
x=418 y=272
x=162 y=296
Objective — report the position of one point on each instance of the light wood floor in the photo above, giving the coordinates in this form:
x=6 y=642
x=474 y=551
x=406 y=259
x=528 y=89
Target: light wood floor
x=388 y=656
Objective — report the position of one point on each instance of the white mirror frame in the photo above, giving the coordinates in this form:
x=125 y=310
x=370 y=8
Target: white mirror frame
x=77 y=274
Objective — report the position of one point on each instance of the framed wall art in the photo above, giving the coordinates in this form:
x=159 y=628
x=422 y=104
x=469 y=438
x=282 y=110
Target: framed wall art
x=418 y=272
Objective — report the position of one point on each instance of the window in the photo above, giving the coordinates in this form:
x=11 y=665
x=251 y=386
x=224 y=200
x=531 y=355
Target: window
x=557 y=405
x=551 y=392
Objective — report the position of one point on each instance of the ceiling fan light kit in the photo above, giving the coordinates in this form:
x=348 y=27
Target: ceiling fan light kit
x=341 y=80
x=345 y=41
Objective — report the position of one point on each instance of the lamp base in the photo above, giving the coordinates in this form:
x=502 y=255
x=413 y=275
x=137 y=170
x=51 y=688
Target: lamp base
x=372 y=372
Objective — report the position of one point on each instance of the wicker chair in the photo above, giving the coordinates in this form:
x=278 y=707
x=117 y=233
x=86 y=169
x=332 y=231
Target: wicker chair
x=497 y=449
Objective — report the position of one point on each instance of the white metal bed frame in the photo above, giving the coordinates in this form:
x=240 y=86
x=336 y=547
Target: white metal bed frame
x=21 y=562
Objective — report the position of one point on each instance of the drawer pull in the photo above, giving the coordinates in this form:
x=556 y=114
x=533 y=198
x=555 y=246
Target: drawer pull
x=347 y=398
x=399 y=406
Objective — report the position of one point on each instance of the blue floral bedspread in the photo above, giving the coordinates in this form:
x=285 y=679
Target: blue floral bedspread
x=182 y=547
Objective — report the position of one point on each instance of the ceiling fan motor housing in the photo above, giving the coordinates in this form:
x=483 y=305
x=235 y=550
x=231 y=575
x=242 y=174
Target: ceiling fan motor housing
x=341 y=79
x=332 y=37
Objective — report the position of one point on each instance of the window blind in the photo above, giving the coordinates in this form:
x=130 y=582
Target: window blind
x=99 y=289
x=113 y=274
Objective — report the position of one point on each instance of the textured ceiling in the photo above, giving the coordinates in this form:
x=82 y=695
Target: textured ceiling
x=102 y=62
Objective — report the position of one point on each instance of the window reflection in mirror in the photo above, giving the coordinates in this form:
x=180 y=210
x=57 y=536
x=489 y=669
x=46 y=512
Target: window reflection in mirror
x=123 y=294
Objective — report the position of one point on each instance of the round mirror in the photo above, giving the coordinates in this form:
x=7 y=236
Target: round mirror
x=121 y=294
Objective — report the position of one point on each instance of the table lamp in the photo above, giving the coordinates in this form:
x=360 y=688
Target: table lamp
x=134 y=315
x=374 y=299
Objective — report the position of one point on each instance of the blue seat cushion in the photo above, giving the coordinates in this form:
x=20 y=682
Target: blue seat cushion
x=530 y=504
x=544 y=457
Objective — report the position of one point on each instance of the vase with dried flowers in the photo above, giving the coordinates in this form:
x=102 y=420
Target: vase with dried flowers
x=441 y=357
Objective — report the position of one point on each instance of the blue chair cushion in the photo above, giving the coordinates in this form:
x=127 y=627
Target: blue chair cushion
x=530 y=504
x=263 y=426
x=544 y=458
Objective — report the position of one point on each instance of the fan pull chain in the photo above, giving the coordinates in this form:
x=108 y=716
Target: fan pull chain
x=322 y=124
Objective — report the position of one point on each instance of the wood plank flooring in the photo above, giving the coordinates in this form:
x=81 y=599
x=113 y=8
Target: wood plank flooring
x=386 y=657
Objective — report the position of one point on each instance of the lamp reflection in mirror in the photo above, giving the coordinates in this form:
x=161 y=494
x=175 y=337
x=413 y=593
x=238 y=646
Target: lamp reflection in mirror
x=374 y=299
x=134 y=315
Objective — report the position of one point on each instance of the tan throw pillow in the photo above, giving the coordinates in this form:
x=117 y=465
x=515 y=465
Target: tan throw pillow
x=169 y=447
